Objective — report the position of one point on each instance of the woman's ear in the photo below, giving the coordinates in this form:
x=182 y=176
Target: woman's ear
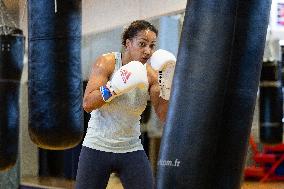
x=127 y=44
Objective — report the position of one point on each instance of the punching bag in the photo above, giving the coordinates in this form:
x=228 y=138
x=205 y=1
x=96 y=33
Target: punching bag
x=246 y=60
x=213 y=130
x=62 y=163
x=11 y=65
x=54 y=75
x=191 y=131
x=270 y=103
x=281 y=46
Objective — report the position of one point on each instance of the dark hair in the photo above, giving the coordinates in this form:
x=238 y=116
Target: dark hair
x=135 y=27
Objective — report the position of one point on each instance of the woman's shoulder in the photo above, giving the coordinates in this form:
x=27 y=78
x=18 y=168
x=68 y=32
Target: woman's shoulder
x=105 y=62
x=107 y=57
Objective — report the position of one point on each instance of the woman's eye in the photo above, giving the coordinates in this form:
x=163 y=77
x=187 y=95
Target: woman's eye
x=142 y=44
x=152 y=46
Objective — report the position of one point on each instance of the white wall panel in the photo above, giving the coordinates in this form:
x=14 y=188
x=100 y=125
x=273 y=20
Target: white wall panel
x=101 y=15
x=156 y=8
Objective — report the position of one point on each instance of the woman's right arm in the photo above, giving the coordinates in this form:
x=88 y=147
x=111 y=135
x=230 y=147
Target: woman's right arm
x=101 y=71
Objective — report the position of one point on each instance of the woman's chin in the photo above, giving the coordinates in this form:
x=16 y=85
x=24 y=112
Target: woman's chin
x=143 y=61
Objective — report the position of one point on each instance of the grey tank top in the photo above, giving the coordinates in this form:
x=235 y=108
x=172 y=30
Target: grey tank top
x=115 y=127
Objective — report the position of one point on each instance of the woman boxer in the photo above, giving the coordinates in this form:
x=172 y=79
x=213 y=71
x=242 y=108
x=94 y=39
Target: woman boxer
x=116 y=95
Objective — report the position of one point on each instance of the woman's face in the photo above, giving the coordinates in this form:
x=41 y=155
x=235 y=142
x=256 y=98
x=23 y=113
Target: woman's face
x=142 y=46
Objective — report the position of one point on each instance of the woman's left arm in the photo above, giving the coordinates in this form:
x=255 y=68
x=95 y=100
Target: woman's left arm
x=160 y=105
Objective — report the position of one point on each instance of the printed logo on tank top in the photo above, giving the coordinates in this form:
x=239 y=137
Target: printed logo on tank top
x=125 y=75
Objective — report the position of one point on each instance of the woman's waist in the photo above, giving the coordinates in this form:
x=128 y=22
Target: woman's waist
x=118 y=132
x=111 y=142
x=113 y=121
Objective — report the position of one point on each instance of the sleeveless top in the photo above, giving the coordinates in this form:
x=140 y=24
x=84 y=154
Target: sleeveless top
x=115 y=127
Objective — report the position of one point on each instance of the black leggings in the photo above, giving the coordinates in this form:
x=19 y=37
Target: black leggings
x=95 y=167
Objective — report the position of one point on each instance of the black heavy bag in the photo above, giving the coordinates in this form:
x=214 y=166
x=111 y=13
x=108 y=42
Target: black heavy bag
x=55 y=86
x=191 y=131
x=11 y=64
x=62 y=163
x=281 y=45
x=270 y=103
x=247 y=52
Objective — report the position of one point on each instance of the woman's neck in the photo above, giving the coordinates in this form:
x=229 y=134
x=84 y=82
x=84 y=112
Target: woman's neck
x=125 y=58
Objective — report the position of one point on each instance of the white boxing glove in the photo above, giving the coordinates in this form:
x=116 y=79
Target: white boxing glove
x=130 y=76
x=164 y=62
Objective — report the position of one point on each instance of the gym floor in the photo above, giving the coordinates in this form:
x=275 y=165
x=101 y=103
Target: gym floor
x=114 y=183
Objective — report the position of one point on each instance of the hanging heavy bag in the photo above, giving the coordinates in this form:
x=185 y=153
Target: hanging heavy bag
x=219 y=98
x=54 y=76
x=281 y=45
x=270 y=103
x=197 y=96
x=11 y=64
x=242 y=86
